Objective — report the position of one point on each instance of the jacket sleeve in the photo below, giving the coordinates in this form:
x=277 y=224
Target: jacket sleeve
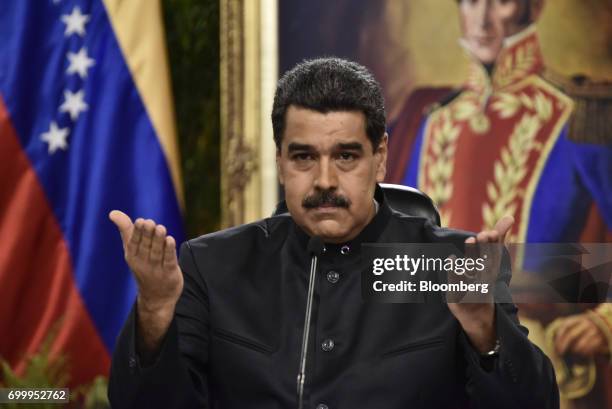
x=177 y=378
x=521 y=376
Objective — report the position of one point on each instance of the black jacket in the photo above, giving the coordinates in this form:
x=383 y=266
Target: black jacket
x=236 y=335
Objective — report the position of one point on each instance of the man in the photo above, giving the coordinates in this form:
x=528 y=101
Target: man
x=223 y=326
x=507 y=143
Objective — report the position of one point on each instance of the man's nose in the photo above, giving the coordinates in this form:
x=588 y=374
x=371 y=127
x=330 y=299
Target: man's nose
x=327 y=177
x=484 y=8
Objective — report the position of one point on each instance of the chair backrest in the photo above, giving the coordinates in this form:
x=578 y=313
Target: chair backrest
x=411 y=202
x=403 y=199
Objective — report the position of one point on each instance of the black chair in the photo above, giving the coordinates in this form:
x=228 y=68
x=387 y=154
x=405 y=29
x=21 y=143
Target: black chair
x=411 y=201
x=403 y=199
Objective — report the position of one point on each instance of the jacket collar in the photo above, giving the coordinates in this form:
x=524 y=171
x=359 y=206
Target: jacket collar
x=519 y=58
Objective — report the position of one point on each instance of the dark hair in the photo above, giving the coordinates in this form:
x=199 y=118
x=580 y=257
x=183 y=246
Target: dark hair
x=330 y=84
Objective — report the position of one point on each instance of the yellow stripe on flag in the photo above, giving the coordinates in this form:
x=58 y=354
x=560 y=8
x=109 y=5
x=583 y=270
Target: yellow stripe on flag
x=139 y=30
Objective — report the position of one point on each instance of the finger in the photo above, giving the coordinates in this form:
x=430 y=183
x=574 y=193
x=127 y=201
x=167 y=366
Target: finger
x=135 y=239
x=492 y=236
x=147 y=237
x=489 y=248
x=157 y=245
x=472 y=250
x=170 y=253
x=453 y=277
x=503 y=226
x=123 y=223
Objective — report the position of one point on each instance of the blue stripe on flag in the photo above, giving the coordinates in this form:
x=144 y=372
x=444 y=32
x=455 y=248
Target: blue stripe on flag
x=113 y=158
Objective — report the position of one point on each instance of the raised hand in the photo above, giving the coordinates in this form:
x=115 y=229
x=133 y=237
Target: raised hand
x=477 y=319
x=151 y=255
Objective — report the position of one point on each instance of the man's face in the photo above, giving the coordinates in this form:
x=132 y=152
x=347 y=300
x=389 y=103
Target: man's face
x=485 y=24
x=329 y=172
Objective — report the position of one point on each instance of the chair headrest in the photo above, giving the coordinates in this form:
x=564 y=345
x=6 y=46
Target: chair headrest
x=410 y=201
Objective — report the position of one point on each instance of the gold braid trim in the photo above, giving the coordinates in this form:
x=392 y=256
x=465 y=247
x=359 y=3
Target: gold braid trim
x=510 y=170
x=440 y=168
x=599 y=318
x=605 y=310
x=444 y=136
x=515 y=66
x=575 y=381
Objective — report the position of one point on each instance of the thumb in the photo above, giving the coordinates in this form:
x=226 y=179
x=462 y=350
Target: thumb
x=123 y=223
x=503 y=226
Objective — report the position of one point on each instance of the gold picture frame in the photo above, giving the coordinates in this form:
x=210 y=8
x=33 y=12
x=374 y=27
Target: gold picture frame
x=249 y=71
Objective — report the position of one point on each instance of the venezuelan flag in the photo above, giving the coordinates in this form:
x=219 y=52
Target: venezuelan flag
x=86 y=126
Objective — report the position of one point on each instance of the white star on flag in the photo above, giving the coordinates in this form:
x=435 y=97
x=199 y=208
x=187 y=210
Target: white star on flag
x=75 y=22
x=55 y=137
x=73 y=103
x=79 y=62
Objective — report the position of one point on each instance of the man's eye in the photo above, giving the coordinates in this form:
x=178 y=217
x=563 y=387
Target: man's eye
x=301 y=157
x=347 y=156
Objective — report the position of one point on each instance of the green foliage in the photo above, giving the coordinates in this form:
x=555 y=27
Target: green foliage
x=95 y=394
x=192 y=30
x=42 y=371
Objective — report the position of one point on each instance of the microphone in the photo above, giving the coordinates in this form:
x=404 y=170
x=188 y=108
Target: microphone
x=315 y=249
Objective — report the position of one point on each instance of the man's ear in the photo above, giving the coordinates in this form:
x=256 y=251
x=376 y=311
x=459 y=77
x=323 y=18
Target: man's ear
x=279 y=168
x=381 y=158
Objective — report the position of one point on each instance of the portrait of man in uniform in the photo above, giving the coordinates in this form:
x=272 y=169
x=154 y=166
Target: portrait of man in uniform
x=516 y=138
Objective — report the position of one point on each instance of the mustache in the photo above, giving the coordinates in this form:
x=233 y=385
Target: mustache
x=325 y=197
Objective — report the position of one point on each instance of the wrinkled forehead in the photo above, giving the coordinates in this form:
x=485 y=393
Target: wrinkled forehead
x=323 y=129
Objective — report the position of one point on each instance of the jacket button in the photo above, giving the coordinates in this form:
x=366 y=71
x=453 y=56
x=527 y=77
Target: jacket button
x=327 y=345
x=333 y=276
x=322 y=406
x=345 y=249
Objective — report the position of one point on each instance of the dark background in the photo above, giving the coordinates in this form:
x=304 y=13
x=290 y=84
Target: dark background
x=192 y=31
x=309 y=29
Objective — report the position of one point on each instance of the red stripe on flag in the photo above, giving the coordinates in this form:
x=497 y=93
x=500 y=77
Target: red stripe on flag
x=38 y=292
